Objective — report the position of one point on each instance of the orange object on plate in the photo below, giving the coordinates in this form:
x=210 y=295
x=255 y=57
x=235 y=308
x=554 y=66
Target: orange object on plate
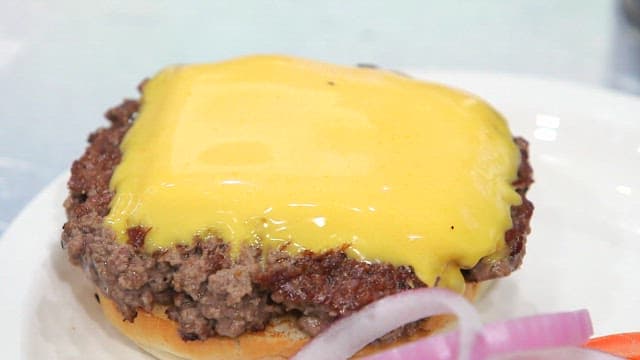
x=626 y=345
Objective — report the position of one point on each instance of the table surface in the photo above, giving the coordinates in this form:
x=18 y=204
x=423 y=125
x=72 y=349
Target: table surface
x=63 y=62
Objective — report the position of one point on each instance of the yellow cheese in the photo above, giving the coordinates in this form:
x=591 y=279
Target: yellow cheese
x=274 y=150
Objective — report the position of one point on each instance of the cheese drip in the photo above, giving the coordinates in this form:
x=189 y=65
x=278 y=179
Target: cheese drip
x=273 y=150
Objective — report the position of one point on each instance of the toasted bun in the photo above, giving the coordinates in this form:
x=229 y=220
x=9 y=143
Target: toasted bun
x=158 y=335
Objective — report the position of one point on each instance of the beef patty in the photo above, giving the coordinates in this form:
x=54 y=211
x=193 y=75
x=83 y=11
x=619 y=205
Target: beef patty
x=207 y=291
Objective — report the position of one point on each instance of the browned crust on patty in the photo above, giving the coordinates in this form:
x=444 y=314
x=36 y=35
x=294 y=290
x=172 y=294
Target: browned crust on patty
x=516 y=237
x=209 y=293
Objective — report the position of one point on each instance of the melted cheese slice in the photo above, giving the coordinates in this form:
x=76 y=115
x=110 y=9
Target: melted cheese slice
x=277 y=151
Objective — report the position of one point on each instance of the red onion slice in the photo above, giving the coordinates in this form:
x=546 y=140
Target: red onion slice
x=561 y=353
x=350 y=334
x=528 y=333
x=538 y=331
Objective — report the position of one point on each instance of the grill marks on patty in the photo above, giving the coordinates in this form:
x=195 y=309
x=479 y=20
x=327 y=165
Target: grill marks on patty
x=208 y=292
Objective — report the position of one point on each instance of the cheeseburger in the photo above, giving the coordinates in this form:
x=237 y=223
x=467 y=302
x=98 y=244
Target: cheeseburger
x=239 y=208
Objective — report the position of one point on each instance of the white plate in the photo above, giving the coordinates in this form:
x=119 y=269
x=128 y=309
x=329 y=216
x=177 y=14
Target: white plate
x=583 y=252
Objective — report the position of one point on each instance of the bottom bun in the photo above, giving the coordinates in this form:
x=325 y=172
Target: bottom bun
x=158 y=335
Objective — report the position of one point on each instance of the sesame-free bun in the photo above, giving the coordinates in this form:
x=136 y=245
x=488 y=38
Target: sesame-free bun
x=158 y=335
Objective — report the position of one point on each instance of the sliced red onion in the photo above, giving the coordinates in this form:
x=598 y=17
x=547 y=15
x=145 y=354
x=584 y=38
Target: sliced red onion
x=528 y=333
x=538 y=331
x=559 y=353
x=548 y=336
x=350 y=334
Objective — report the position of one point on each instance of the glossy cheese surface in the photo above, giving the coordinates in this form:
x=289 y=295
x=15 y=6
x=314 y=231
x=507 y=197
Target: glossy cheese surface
x=273 y=150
